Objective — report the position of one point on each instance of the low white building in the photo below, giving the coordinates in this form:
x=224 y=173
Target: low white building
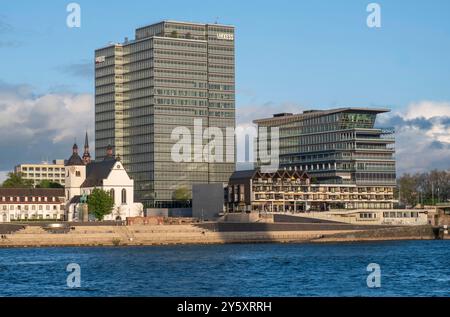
x=396 y=217
x=108 y=175
x=25 y=204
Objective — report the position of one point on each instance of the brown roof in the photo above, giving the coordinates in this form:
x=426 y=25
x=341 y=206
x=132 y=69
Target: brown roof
x=98 y=171
x=30 y=192
x=248 y=174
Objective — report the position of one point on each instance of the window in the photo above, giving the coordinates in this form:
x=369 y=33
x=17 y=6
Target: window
x=111 y=192
x=124 y=196
x=77 y=174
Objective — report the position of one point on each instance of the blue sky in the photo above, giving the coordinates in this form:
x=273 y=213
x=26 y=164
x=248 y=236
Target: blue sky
x=318 y=53
x=289 y=54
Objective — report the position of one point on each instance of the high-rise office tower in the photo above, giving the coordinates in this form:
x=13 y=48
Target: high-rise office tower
x=337 y=146
x=172 y=74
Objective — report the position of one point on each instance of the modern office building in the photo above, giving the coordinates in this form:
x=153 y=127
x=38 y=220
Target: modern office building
x=171 y=74
x=339 y=146
x=53 y=172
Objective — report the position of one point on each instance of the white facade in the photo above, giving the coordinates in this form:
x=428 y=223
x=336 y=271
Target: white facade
x=53 y=172
x=109 y=176
x=75 y=176
x=397 y=217
x=31 y=204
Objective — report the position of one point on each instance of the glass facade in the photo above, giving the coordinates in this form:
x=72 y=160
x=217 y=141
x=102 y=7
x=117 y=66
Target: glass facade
x=172 y=74
x=339 y=146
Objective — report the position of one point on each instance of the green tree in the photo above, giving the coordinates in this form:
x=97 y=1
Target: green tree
x=100 y=203
x=407 y=185
x=425 y=188
x=181 y=193
x=16 y=180
x=48 y=184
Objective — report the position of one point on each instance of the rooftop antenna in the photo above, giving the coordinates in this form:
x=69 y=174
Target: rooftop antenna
x=217 y=20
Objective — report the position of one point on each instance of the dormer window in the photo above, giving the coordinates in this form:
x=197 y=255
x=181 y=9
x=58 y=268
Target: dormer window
x=78 y=174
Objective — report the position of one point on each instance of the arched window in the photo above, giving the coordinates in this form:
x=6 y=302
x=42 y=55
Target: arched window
x=124 y=196
x=111 y=192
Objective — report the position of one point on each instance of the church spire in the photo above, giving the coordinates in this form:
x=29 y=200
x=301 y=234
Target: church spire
x=86 y=142
x=86 y=154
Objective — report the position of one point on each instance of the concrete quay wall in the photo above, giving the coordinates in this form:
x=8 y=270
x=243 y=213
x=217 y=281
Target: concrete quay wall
x=190 y=234
x=152 y=235
x=425 y=232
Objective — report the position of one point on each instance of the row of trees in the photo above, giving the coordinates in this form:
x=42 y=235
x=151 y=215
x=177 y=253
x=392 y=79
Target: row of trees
x=16 y=180
x=424 y=188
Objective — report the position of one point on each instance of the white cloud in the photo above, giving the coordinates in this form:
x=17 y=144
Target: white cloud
x=422 y=136
x=422 y=132
x=39 y=127
x=3 y=176
x=427 y=110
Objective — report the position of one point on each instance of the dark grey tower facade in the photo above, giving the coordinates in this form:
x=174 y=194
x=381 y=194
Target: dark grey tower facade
x=172 y=75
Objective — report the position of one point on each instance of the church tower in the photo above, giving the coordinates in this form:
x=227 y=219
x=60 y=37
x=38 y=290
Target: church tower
x=86 y=155
x=75 y=170
x=109 y=153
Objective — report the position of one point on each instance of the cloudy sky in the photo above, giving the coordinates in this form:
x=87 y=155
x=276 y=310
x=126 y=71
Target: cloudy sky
x=291 y=56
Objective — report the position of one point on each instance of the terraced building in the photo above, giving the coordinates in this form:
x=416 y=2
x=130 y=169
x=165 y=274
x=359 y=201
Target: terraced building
x=339 y=146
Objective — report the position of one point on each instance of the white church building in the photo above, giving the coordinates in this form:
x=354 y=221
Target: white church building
x=82 y=176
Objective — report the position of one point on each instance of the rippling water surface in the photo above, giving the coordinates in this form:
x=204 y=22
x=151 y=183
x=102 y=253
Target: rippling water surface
x=408 y=268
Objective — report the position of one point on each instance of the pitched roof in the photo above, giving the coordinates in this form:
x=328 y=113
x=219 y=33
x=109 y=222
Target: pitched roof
x=280 y=173
x=243 y=174
x=75 y=199
x=29 y=192
x=75 y=159
x=97 y=171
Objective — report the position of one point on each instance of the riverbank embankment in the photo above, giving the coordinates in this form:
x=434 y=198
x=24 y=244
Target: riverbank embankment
x=208 y=233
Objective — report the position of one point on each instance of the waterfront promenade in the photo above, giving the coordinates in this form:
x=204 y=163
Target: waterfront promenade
x=209 y=233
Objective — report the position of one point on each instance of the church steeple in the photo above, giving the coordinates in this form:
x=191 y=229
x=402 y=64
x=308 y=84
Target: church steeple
x=109 y=153
x=74 y=159
x=86 y=154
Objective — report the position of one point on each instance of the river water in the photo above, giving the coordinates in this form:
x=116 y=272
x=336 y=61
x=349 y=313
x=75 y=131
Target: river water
x=407 y=268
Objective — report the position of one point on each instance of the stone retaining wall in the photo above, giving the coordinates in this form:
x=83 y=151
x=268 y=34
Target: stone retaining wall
x=189 y=234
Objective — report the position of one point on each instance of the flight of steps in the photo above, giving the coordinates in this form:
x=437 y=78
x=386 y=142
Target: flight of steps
x=31 y=230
